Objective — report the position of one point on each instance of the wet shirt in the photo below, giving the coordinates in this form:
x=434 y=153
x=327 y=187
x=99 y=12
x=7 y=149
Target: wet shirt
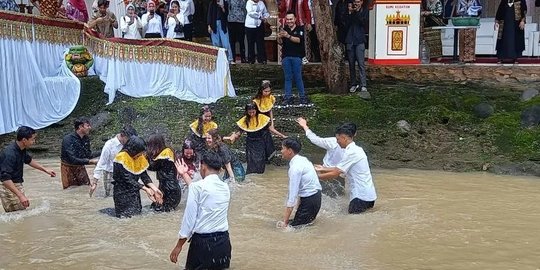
x=355 y=165
x=334 y=153
x=76 y=150
x=111 y=148
x=206 y=207
x=291 y=49
x=12 y=161
x=303 y=180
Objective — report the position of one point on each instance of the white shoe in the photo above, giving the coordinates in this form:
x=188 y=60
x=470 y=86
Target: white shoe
x=233 y=63
x=353 y=88
x=304 y=61
x=363 y=89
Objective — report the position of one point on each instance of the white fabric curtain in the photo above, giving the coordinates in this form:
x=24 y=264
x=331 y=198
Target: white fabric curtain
x=156 y=79
x=36 y=87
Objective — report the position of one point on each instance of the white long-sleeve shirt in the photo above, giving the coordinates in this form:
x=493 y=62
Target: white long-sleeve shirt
x=153 y=26
x=130 y=31
x=206 y=207
x=170 y=24
x=111 y=148
x=187 y=7
x=255 y=13
x=303 y=180
x=355 y=165
x=334 y=153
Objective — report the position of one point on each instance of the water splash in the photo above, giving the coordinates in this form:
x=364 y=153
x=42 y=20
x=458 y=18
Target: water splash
x=44 y=207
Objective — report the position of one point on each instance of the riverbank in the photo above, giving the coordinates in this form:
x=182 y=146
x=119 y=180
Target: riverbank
x=465 y=126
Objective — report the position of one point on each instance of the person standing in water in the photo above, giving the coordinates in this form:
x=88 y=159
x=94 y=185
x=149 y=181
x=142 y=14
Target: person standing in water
x=332 y=157
x=303 y=183
x=205 y=222
x=233 y=167
x=12 y=160
x=161 y=159
x=76 y=154
x=265 y=103
x=355 y=166
x=104 y=167
x=200 y=127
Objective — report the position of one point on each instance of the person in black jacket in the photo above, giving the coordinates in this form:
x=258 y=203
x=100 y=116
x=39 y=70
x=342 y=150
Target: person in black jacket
x=129 y=167
x=75 y=154
x=355 y=21
x=218 y=10
x=161 y=159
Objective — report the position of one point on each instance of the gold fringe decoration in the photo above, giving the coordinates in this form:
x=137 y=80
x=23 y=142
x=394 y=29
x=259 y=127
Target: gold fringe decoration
x=57 y=35
x=15 y=30
x=148 y=54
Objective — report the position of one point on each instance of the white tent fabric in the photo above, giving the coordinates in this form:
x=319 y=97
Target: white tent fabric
x=157 y=79
x=36 y=87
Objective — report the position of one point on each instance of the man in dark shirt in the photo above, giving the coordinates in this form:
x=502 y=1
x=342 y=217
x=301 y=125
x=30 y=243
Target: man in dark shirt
x=292 y=39
x=355 y=21
x=75 y=154
x=12 y=161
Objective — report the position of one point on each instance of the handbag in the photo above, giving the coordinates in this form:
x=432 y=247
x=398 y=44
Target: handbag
x=179 y=28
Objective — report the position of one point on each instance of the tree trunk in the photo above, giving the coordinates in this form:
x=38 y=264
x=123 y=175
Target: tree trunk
x=334 y=69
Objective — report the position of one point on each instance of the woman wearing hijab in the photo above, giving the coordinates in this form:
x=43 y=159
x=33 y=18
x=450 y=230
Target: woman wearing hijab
x=130 y=24
x=175 y=21
x=129 y=167
x=76 y=10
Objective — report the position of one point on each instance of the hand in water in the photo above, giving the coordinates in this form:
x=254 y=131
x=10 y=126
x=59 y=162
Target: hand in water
x=281 y=225
x=24 y=201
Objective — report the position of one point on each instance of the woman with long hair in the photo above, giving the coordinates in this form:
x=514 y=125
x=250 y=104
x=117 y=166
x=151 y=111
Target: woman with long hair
x=175 y=21
x=189 y=157
x=265 y=103
x=129 y=167
x=259 y=144
x=161 y=159
x=233 y=168
x=200 y=127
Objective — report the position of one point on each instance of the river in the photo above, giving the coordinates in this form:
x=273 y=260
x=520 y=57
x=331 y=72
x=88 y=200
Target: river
x=422 y=220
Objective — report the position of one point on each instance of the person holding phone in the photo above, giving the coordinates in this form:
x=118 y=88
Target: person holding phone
x=130 y=24
x=104 y=22
x=151 y=22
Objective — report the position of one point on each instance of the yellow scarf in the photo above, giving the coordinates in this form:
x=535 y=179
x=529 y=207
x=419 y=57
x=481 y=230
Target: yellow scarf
x=167 y=153
x=265 y=104
x=134 y=166
x=206 y=127
x=254 y=124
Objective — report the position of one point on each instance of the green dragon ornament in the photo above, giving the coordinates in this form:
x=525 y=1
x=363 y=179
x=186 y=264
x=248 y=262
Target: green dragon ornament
x=79 y=60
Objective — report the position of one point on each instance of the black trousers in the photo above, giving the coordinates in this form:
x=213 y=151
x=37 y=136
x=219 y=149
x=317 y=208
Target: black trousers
x=188 y=31
x=357 y=206
x=237 y=33
x=210 y=251
x=255 y=36
x=152 y=35
x=307 y=210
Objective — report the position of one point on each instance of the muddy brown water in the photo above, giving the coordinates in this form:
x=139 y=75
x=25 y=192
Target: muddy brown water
x=422 y=220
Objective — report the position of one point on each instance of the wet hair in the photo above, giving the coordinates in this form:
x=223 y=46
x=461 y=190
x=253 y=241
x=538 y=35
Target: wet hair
x=103 y=3
x=292 y=144
x=204 y=110
x=25 y=132
x=188 y=144
x=135 y=145
x=250 y=106
x=216 y=138
x=212 y=160
x=154 y=145
x=346 y=129
x=80 y=121
x=264 y=84
x=351 y=125
x=128 y=131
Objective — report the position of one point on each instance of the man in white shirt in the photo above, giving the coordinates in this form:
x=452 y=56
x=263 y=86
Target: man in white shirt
x=333 y=156
x=104 y=168
x=205 y=218
x=303 y=183
x=355 y=166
